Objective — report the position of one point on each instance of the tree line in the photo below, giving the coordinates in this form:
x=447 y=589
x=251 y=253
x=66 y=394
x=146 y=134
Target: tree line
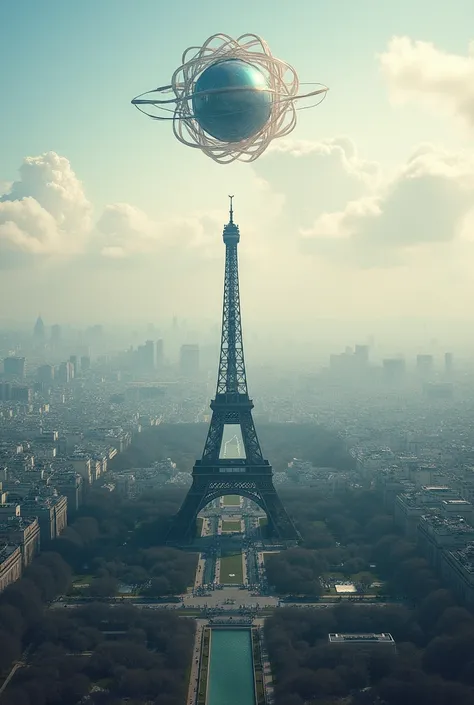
x=112 y=654
x=280 y=443
x=115 y=539
x=435 y=635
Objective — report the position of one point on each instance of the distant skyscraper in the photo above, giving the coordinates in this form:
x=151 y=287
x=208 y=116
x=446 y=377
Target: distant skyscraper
x=14 y=367
x=145 y=357
x=342 y=363
x=5 y=391
x=75 y=364
x=85 y=363
x=189 y=361
x=149 y=356
x=20 y=393
x=38 y=330
x=361 y=355
x=65 y=372
x=45 y=374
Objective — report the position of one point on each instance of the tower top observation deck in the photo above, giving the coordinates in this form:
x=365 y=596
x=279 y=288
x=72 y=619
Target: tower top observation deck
x=231 y=234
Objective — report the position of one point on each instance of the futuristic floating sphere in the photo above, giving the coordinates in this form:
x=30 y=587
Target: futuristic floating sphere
x=232 y=97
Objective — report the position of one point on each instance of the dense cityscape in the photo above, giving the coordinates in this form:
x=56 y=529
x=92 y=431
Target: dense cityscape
x=96 y=450
x=236 y=353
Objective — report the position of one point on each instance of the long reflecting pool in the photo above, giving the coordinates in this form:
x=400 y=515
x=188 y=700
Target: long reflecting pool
x=231 y=680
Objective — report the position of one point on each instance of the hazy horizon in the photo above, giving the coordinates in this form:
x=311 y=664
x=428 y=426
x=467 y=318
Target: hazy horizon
x=361 y=221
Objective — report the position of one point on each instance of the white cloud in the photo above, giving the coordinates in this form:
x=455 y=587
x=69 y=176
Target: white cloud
x=45 y=212
x=311 y=216
x=424 y=205
x=419 y=70
x=128 y=231
x=314 y=176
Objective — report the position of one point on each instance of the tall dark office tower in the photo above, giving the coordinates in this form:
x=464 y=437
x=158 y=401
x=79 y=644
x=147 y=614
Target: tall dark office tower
x=232 y=461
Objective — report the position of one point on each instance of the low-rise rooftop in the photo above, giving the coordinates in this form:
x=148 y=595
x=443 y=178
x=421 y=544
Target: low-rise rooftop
x=451 y=525
x=382 y=638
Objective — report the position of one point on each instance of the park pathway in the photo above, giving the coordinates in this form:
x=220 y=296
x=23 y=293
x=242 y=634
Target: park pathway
x=267 y=671
x=199 y=572
x=194 y=674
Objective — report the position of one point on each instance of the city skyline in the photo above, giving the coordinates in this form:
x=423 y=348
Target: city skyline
x=365 y=213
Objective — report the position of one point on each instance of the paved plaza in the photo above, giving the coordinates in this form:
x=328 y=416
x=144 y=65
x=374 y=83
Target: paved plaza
x=217 y=598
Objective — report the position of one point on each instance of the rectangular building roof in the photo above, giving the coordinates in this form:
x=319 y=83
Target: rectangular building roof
x=383 y=638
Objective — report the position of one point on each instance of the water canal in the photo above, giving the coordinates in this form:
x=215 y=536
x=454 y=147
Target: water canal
x=231 y=679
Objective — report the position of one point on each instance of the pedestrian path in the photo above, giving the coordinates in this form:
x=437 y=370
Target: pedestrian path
x=194 y=673
x=244 y=568
x=267 y=672
x=199 y=572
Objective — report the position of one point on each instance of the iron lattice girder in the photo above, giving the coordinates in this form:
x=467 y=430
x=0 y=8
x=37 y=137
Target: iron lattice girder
x=231 y=376
x=232 y=409
x=251 y=476
x=258 y=489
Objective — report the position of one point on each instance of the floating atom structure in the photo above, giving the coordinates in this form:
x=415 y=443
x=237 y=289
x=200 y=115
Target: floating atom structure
x=231 y=98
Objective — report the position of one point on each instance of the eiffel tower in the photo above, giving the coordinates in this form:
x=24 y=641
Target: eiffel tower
x=232 y=461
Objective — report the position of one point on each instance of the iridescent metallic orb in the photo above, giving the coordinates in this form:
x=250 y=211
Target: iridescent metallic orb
x=231 y=100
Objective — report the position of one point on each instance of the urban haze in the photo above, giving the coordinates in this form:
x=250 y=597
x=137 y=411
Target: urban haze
x=236 y=439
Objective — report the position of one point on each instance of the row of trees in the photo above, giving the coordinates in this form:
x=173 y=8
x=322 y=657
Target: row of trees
x=22 y=604
x=348 y=533
x=309 y=669
x=146 y=660
x=109 y=538
x=114 y=539
x=435 y=638
x=281 y=443
x=296 y=570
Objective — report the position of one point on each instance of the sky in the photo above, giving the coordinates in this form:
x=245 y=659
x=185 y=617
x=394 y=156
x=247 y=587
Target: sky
x=364 y=213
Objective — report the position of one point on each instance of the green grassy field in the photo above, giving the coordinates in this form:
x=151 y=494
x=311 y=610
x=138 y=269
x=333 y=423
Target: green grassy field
x=231 y=526
x=231 y=569
x=232 y=500
x=82 y=581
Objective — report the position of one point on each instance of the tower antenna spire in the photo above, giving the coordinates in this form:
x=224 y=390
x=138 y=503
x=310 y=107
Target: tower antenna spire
x=231 y=209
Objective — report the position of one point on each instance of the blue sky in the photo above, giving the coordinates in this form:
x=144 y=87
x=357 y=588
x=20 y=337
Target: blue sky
x=70 y=69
